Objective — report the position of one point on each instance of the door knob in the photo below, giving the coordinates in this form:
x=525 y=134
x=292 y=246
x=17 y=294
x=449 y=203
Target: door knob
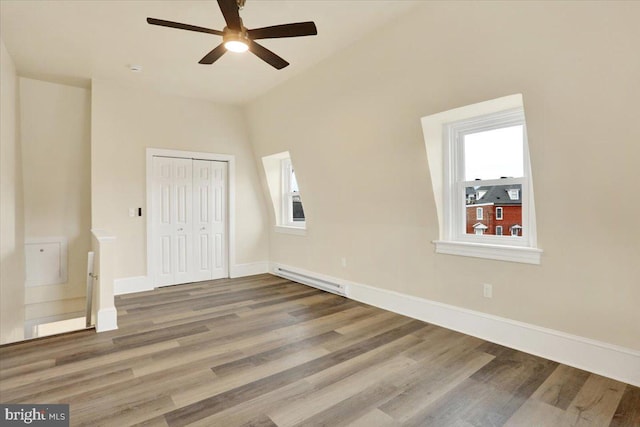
x=202 y=228
x=180 y=229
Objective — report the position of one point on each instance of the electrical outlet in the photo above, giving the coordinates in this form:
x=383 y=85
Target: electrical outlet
x=344 y=261
x=487 y=290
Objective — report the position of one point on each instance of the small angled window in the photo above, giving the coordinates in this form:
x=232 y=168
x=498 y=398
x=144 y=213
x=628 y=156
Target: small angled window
x=292 y=210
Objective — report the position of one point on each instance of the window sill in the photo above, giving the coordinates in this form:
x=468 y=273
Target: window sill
x=284 y=229
x=488 y=251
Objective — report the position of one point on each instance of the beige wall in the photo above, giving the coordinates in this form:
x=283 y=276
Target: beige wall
x=352 y=124
x=55 y=135
x=125 y=122
x=11 y=207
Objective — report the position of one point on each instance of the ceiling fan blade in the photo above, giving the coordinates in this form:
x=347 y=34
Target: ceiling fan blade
x=267 y=56
x=214 y=55
x=180 y=26
x=297 y=29
x=229 y=9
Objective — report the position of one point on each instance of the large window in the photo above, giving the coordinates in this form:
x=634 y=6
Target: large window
x=292 y=211
x=486 y=159
x=479 y=157
x=487 y=183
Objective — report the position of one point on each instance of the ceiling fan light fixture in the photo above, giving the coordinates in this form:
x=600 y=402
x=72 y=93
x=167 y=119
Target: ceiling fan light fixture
x=235 y=41
x=236 y=46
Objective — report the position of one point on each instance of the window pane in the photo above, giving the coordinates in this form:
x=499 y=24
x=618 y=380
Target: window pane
x=294 y=182
x=296 y=208
x=501 y=215
x=494 y=154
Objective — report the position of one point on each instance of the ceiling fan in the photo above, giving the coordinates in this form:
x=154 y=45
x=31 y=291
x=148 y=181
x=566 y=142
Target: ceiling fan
x=238 y=38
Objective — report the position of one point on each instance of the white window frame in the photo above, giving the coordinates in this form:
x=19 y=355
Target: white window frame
x=498 y=227
x=501 y=216
x=456 y=240
x=287 y=196
x=479 y=213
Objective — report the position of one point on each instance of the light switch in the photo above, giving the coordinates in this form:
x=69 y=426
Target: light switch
x=132 y=212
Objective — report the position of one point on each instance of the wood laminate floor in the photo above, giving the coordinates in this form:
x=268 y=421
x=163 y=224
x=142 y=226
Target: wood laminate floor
x=264 y=351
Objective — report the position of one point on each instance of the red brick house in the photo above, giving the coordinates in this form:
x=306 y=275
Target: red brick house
x=494 y=210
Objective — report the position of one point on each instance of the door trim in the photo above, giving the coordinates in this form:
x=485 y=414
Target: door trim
x=231 y=201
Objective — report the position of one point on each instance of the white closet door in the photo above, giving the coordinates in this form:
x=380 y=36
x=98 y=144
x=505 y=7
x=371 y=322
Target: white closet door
x=209 y=196
x=172 y=205
x=183 y=184
x=189 y=220
x=162 y=205
x=219 y=220
x=202 y=221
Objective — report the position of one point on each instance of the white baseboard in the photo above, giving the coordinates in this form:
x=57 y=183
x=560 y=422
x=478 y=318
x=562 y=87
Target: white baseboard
x=249 y=269
x=107 y=319
x=129 y=285
x=609 y=360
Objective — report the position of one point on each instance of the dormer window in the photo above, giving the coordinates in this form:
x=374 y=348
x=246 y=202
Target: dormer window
x=483 y=147
x=292 y=211
x=488 y=158
x=285 y=194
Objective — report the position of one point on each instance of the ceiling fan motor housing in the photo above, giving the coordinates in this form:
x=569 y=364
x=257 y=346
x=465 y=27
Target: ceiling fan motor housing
x=236 y=40
x=229 y=35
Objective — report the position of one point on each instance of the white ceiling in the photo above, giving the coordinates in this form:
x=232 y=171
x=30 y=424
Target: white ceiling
x=74 y=41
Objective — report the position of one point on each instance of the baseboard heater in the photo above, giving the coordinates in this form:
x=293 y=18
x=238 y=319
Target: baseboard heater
x=321 y=284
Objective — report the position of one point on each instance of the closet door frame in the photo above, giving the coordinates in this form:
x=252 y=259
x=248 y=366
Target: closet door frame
x=152 y=266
